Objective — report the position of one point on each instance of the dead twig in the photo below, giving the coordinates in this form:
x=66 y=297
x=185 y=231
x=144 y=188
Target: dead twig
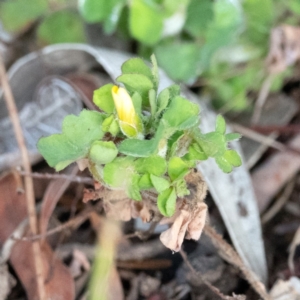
x=78 y=179
x=262 y=96
x=231 y=256
x=30 y=199
x=75 y=222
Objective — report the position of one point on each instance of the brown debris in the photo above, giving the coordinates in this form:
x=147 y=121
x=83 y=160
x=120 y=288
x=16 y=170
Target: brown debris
x=284 y=48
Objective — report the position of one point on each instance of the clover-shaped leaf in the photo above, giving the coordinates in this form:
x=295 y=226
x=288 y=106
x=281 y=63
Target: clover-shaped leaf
x=159 y=183
x=155 y=165
x=181 y=113
x=78 y=133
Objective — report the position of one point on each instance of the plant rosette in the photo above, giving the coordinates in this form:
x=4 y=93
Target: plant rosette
x=143 y=147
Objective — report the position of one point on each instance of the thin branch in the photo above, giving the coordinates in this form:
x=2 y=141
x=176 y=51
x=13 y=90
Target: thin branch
x=263 y=94
x=231 y=256
x=263 y=139
x=75 y=222
x=79 y=179
x=29 y=191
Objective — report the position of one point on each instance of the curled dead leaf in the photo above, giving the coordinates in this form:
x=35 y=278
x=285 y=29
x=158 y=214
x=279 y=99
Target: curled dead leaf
x=188 y=221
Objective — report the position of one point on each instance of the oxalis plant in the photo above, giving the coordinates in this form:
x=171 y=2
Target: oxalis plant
x=141 y=141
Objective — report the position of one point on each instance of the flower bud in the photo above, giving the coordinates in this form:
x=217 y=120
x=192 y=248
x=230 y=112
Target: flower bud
x=130 y=122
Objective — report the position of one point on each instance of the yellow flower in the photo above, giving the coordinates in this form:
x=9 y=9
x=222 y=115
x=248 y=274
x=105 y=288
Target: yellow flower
x=130 y=122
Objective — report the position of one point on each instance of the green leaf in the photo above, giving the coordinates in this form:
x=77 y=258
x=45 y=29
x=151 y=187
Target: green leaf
x=177 y=168
x=78 y=133
x=119 y=172
x=159 y=183
x=223 y=164
x=112 y=20
x=133 y=189
x=137 y=83
x=137 y=102
x=146 y=21
x=114 y=128
x=154 y=71
x=195 y=153
x=155 y=165
x=103 y=152
x=136 y=66
x=163 y=100
x=166 y=202
x=179 y=144
x=232 y=136
x=97 y=10
x=152 y=101
x=17 y=14
x=181 y=113
x=220 y=124
x=199 y=15
x=62 y=26
x=213 y=143
x=103 y=98
x=145 y=182
x=145 y=148
x=233 y=158
x=186 y=56
x=138 y=148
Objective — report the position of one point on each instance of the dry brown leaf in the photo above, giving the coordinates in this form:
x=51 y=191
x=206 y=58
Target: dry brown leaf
x=188 y=221
x=59 y=283
x=284 y=48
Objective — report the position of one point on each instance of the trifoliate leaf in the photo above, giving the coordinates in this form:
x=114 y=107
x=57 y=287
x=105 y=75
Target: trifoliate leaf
x=155 y=165
x=181 y=113
x=78 y=133
x=213 y=143
x=103 y=152
x=138 y=148
x=103 y=98
x=233 y=158
x=166 y=202
x=137 y=83
x=177 y=168
x=145 y=182
x=220 y=124
x=159 y=183
x=232 y=136
x=136 y=66
x=223 y=164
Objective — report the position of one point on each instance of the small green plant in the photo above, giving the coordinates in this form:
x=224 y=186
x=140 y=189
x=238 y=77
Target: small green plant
x=141 y=140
